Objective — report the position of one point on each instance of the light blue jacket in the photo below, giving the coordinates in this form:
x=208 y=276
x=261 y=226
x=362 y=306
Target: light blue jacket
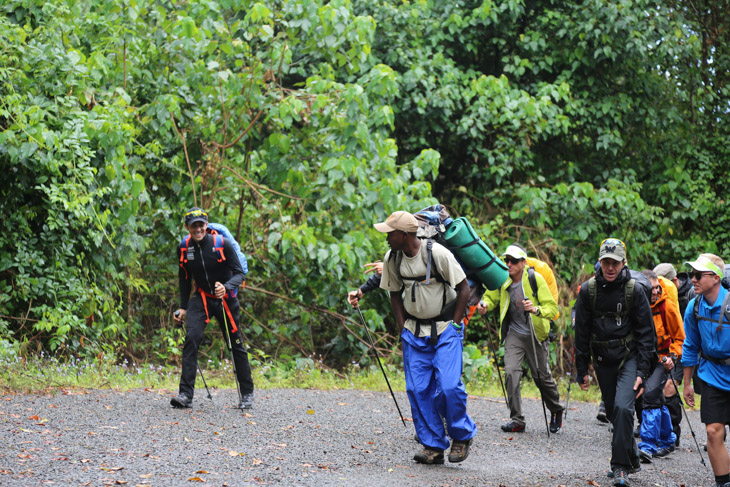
x=712 y=339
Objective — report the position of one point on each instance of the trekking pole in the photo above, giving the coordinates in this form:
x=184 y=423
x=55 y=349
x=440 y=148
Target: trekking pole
x=372 y=344
x=177 y=313
x=230 y=348
x=702 y=459
x=570 y=382
x=533 y=339
x=496 y=363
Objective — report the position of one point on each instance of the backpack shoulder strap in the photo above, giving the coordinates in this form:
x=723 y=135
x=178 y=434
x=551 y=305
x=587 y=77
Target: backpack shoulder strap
x=184 y=244
x=429 y=259
x=218 y=245
x=592 y=293
x=726 y=307
x=629 y=290
x=533 y=283
x=696 y=309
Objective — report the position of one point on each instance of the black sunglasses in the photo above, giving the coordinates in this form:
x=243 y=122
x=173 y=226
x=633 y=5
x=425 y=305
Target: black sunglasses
x=698 y=275
x=512 y=260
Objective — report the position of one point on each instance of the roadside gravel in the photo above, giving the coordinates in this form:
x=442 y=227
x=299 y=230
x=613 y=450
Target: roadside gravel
x=300 y=437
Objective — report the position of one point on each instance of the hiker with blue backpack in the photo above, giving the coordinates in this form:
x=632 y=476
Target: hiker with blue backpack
x=658 y=438
x=707 y=348
x=429 y=294
x=526 y=306
x=614 y=329
x=208 y=257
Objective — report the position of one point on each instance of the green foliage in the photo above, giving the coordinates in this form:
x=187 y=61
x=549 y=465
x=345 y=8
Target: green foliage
x=300 y=123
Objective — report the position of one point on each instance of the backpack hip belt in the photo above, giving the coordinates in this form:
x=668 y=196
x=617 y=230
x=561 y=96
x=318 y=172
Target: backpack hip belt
x=447 y=311
x=229 y=294
x=714 y=360
x=615 y=343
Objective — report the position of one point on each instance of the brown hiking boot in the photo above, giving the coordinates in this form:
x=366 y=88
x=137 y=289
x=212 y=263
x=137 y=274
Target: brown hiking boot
x=430 y=456
x=459 y=451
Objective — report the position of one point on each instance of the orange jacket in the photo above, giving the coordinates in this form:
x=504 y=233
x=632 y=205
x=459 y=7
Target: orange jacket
x=667 y=322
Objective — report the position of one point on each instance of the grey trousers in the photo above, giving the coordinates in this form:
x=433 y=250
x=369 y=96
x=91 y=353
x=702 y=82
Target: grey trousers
x=516 y=348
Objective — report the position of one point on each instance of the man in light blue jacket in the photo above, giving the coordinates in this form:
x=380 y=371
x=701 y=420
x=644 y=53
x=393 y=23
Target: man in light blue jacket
x=707 y=344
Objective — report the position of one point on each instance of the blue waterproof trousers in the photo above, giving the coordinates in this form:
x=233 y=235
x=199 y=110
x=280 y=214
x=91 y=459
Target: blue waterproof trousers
x=435 y=389
x=656 y=422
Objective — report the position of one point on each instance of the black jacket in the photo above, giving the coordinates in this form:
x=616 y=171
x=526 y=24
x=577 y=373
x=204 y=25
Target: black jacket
x=590 y=325
x=203 y=266
x=373 y=282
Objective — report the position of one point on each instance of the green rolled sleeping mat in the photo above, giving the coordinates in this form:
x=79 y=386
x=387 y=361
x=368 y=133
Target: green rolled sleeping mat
x=466 y=245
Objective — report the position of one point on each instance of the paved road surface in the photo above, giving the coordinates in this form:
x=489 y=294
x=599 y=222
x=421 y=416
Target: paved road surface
x=299 y=437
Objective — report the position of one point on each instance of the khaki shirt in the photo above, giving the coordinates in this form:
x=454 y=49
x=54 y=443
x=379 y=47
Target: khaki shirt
x=429 y=300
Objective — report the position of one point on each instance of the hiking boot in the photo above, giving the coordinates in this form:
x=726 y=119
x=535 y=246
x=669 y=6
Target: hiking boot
x=620 y=477
x=601 y=416
x=513 y=427
x=459 y=451
x=663 y=452
x=246 y=401
x=609 y=474
x=181 y=401
x=556 y=421
x=645 y=456
x=429 y=456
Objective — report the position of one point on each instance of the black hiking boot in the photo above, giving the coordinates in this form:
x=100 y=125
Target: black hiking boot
x=601 y=416
x=620 y=477
x=429 y=456
x=556 y=421
x=181 y=401
x=513 y=427
x=663 y=452
x=609 y=474
x=246 y=401
x=459 y=451
x=645 y=456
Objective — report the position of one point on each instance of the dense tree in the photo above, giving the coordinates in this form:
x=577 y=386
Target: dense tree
x=299 y=123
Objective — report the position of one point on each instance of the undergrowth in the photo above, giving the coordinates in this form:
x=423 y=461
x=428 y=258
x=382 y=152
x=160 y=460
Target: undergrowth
x=44 y=373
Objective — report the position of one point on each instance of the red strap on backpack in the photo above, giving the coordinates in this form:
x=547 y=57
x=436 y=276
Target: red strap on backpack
x=205 y=295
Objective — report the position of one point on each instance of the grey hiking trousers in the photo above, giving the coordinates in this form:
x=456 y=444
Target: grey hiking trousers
x=516 y=348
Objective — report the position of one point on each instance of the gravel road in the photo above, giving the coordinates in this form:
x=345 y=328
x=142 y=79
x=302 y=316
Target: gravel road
x=300 y=437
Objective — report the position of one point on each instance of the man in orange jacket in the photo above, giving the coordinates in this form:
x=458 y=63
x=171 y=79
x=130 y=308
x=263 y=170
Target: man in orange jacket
x=657 y=435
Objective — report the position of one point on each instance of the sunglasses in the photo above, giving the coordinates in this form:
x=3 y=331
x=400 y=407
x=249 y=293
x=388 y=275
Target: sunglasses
x=196 y=213
x=698 y=275
x=614 y=241
x=512 y=260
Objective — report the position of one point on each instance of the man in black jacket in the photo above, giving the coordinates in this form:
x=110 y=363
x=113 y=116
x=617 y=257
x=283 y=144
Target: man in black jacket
x=212 y=262
x=615 y=329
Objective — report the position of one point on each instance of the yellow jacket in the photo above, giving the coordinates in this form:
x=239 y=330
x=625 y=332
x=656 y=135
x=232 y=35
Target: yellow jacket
x=548 y=307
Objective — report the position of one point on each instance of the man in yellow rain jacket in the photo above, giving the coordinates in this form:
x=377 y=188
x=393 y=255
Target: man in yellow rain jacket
x=525 y=325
